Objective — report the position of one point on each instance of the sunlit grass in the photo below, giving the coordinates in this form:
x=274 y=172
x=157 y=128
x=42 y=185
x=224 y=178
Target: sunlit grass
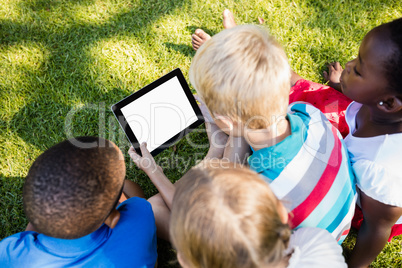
x=65 y=62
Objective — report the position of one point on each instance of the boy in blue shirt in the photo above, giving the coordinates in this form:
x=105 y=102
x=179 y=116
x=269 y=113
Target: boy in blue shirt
x=70 y=197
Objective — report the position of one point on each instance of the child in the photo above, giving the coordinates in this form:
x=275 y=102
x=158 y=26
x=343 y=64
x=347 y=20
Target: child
x=70 y=197
x=229 y=217
x=243 y=76
x=330 y=102
x=373 y=81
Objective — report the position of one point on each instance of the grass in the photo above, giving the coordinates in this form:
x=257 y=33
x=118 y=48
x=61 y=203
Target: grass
x=63 y=63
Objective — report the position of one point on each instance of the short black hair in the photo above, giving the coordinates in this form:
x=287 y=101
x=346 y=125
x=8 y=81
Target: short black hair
x=393 y=65
x=70 y=190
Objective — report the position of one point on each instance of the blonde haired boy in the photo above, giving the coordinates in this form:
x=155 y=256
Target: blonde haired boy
x=233 y=78
x=243 y=77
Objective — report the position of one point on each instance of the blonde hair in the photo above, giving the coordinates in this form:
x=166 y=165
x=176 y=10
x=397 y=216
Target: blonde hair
x=227 y=217
x=243 y=73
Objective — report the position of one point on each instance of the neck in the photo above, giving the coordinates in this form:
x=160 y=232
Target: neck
x=378 y=123
x=263 y=138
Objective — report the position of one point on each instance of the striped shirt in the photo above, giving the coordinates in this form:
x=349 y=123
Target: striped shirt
x=310 y=172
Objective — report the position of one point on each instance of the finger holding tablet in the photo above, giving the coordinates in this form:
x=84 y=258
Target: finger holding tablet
x=146 y=162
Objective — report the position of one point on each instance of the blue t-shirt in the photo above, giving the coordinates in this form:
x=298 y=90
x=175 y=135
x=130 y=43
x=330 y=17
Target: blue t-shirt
x=132 y=243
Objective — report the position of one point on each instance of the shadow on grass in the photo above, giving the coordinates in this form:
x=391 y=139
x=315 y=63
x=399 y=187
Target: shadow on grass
x=39 y=5
x=40 y=123
x=11 y=211
x=166 y=255
x=46 y=121
x=63 y=77
x=186 y=50
x=192 y=29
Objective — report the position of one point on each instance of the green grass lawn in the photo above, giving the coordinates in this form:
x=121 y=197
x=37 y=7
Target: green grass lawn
x=63 y=63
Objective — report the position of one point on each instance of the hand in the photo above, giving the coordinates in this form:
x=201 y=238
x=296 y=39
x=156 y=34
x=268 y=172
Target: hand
x=335 y=70
x=146 y=162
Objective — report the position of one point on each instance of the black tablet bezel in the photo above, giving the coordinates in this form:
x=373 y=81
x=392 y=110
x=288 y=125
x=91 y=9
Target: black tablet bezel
x=116 y=109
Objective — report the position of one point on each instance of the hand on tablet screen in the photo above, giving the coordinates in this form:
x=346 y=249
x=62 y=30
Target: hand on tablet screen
x=145 y=162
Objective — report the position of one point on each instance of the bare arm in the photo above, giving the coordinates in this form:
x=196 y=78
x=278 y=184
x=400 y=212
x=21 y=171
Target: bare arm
x=131 y=189
x=148 y=165
x=294 y=78
x=237 y=150
x=216 y=137
x=374 y=232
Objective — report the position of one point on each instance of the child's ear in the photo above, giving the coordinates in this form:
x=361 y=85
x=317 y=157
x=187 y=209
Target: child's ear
x=113 y=218
x=226 y=121
x=181 y=260
x=391 y=104
x=228 y=125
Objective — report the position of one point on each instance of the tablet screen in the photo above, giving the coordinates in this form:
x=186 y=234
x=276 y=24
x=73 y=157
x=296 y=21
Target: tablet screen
x=159 y=114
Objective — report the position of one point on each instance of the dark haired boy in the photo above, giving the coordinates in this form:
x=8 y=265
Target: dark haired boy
x=70 y=197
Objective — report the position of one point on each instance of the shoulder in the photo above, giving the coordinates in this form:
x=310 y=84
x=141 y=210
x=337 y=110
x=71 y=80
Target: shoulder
x=319 y=136
x=135 y=203
x=18 y=238
x=15 y=247
x=350 y=115
x=132 y=242
x=136 y=220
x=136 y=209
x=314 y=247
x=379 y=175
x=304 y=109
x=311 y=119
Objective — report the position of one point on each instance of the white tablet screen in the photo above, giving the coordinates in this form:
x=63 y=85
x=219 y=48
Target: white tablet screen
x=160 y=114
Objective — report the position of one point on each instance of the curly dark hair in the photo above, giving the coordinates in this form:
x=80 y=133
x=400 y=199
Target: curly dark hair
x=393 y=65
x=70 y=190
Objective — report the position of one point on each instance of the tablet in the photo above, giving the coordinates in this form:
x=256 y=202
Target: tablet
x=159 y=114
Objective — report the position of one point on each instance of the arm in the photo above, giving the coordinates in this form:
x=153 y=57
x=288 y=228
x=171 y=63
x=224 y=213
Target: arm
x=221 y=145
x=237 y=150
x=216 y=137
x=374 y=232
x=131 y=189
x=294 y=77
x=148 y=165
